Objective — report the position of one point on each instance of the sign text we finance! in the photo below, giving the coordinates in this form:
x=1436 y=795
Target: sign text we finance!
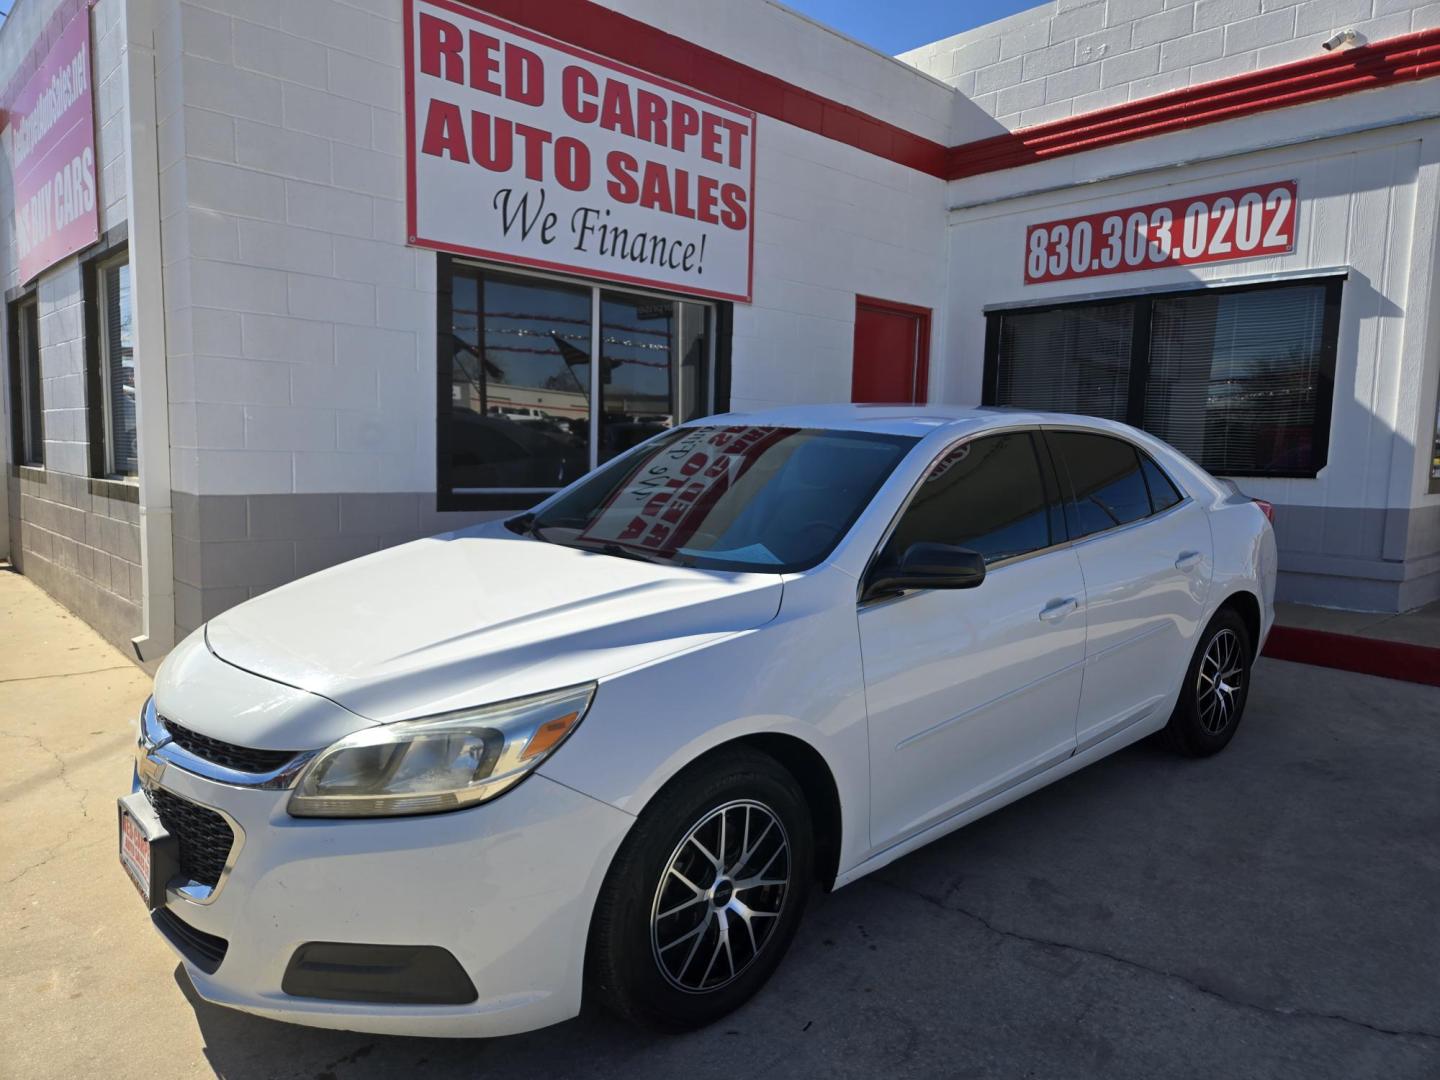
x=527 y=150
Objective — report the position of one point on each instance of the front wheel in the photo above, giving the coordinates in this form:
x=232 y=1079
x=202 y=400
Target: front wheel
x=1217 y=683
x=705 y=894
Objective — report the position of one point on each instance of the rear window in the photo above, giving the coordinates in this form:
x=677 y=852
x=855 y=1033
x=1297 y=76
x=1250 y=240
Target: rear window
x=1162 y=492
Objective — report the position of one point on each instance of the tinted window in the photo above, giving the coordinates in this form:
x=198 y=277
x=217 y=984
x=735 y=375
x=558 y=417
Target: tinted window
x=986 y=495
x=1106 y=484
x=1071 y=359
x=1239 y=379
x=1162 y=492
x=758 y=498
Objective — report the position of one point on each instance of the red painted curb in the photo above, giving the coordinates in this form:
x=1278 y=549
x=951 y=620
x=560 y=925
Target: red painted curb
x=1369 y=656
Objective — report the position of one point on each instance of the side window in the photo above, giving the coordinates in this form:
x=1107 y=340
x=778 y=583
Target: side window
x=1107 y=487
x=1162 y=491
x=986 y=495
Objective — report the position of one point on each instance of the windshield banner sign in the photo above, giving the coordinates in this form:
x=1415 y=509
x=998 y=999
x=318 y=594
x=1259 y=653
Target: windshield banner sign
x=526 y=150
x=659 y=507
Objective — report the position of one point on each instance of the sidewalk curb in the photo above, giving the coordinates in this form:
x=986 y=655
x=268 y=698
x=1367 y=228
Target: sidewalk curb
x=1368 y=656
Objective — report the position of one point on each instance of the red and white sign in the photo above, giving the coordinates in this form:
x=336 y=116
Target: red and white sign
x=1243 y=223
x=664 y=501
x=51 y=149
x=527 y=150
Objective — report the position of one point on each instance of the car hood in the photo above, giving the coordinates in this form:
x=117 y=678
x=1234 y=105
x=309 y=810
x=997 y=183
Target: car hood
x=479 y=616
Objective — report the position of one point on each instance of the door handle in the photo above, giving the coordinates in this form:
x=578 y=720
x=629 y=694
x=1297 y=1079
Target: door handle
x=1188 y=560
x=1058 y=609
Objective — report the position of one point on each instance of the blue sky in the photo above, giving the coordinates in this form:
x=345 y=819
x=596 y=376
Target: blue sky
x=893 y=26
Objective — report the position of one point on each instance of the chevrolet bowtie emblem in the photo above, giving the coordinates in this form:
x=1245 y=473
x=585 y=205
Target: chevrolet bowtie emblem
x=150 y=770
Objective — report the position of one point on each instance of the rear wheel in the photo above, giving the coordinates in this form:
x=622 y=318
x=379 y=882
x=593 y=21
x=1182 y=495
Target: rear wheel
x=1212 y=700
x=705 y=894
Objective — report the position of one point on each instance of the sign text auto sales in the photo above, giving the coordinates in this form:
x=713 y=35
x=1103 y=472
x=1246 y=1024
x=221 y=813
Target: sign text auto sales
x=526 y=150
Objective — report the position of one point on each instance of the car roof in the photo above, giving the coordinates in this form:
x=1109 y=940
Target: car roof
x=915 y=420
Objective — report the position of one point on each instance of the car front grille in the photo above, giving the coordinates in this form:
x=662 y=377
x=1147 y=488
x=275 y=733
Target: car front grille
x=203 y=837
x=240 y=758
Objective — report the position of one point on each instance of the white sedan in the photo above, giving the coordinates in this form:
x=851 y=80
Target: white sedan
x=612 y=744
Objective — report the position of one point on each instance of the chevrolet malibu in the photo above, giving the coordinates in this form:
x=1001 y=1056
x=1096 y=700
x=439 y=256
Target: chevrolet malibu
x=611 y=745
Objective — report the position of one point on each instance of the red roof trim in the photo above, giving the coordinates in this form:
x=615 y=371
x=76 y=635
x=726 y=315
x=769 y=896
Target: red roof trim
x=599 y=29
x=1367 y=67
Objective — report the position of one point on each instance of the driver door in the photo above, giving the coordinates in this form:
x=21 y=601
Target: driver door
x=973 y=690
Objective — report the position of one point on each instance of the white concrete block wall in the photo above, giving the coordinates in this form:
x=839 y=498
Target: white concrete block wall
x=831 y=223
x=1069 y=57
x=112 y=138
x=302 y=336
x=302 y=327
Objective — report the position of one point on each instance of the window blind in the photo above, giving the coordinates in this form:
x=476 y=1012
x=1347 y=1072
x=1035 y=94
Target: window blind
x=1234 y=377
x=1071 y=359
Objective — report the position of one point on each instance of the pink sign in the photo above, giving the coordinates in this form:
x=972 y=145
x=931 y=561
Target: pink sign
x=51 y=147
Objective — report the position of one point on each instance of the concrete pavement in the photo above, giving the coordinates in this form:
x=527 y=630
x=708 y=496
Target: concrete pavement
x=1267 y=913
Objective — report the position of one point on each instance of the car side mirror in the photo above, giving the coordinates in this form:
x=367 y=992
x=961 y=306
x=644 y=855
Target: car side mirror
x=927 y=566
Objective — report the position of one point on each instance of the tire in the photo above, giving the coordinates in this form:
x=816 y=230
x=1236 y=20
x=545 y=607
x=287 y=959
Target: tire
x=656 y=954
x=1205 y=719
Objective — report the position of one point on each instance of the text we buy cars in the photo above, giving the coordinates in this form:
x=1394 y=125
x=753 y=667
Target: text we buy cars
x=530 y=151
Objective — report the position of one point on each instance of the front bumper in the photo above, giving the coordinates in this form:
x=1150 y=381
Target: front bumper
x=506 y=887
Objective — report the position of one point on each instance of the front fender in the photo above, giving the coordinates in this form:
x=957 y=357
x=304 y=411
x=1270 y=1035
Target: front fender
x=798 y=675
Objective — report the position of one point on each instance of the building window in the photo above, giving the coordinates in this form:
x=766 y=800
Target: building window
x=116 y=370
x=27 y=409
x=542 y=379
x=1239 y=379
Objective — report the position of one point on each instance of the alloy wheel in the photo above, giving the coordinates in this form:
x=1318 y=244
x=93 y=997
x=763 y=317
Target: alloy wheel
x=720 y=896
x=1220 y=682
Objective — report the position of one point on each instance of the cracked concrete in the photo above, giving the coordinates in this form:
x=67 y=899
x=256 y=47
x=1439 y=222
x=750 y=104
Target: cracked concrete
x=1269 y=913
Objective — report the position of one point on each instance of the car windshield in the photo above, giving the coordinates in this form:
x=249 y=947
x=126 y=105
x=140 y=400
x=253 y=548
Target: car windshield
x=764 y=499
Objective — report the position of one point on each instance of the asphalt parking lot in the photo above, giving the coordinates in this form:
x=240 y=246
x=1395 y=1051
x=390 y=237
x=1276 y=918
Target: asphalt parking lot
x=1272 y=912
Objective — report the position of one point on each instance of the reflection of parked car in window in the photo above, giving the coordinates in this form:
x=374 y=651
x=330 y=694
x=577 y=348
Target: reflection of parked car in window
x=498 y=451
x=521 y=413
x=755 y=655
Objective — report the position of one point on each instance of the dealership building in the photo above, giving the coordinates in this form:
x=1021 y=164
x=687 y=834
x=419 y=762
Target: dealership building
x=288 y=281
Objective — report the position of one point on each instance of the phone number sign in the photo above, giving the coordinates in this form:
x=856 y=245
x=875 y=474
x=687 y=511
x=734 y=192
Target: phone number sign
x=1242 y=223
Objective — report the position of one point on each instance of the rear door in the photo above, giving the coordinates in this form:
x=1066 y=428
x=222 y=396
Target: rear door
x=971 y=691
x=1145 y=551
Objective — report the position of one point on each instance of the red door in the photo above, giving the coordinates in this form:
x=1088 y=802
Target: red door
x=892 y=351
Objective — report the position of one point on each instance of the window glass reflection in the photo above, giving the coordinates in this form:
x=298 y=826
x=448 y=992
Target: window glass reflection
x=653 y=367
x=986 y=495
x=120 y=375
x=520 y=382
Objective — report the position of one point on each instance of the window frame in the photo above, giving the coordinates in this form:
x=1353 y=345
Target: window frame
x=1143 y=305
x=22 y=424
x=448 y=497
x=98 y=386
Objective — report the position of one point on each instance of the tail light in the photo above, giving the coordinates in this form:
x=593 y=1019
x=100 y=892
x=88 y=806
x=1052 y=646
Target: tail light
x=1268 y=509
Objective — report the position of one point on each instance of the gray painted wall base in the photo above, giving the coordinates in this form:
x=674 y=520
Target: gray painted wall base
x=229 y=548
x=80 y=546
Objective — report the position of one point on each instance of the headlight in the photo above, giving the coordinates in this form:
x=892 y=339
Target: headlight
x=441 y=762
